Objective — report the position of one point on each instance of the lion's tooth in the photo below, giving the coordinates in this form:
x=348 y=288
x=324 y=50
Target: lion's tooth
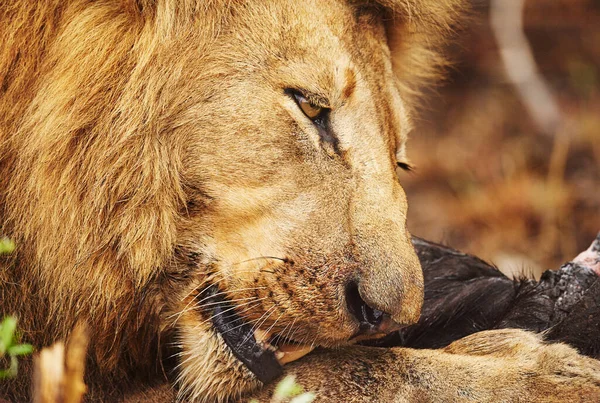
x=261 y=335
x=292 y=352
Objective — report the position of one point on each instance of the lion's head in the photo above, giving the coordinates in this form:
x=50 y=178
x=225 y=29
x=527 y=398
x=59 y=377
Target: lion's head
x=222 y=171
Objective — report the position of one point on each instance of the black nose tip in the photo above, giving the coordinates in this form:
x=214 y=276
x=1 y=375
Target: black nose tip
x=368 y=318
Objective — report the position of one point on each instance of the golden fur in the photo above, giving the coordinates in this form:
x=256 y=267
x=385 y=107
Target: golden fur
x=149 y=149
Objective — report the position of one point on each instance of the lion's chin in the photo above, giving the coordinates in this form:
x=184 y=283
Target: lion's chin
x=254 y=348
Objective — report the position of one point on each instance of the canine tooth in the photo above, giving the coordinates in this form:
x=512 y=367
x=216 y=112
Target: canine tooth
x=291 y=352
x=261 y=335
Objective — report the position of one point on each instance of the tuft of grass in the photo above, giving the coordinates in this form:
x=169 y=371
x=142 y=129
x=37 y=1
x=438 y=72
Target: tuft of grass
x=10 y=347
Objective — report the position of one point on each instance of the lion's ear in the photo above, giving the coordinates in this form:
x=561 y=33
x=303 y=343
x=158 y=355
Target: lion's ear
x=417 y=30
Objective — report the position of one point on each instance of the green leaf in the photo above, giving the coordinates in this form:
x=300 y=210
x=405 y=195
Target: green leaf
x=11 y=372
x=7 y=345
x=287 y=387
x=307 y=397
x=20 y=349
x=7 y=332
x=6 y=246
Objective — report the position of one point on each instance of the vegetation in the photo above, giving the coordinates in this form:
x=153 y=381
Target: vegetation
x=10 y=348
x=6 y=246
x=287 y=390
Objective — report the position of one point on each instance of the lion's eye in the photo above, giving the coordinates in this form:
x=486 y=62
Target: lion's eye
x=312 y=111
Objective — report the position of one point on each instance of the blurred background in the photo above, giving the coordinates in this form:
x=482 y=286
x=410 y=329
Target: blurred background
x=508 y=166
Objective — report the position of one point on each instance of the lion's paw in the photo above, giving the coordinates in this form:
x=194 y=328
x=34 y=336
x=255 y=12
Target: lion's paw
x=546 y=370
x=500 y=343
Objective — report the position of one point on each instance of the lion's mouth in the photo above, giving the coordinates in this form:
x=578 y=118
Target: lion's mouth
x=253 y=347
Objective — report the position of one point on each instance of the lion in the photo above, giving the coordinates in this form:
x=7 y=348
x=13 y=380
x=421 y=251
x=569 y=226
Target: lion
x=212 y=187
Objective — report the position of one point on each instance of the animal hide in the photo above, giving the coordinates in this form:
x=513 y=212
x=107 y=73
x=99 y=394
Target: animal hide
x=465 y=295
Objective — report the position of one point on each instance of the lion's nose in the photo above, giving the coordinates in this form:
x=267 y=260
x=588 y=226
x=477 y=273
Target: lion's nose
x=371 y=320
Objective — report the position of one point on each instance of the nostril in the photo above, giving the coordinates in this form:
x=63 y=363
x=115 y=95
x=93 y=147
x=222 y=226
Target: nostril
x=369 y=318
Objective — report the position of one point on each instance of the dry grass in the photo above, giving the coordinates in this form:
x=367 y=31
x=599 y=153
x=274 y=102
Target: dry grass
x=58 y=374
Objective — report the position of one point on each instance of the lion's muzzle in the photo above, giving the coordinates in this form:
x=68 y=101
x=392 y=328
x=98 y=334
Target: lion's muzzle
x=390 y=278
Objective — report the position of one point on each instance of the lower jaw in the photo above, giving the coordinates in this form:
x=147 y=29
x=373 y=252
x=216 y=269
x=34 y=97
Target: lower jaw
x=249 y=346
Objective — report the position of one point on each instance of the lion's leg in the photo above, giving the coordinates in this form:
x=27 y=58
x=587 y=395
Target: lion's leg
x=492 y=366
